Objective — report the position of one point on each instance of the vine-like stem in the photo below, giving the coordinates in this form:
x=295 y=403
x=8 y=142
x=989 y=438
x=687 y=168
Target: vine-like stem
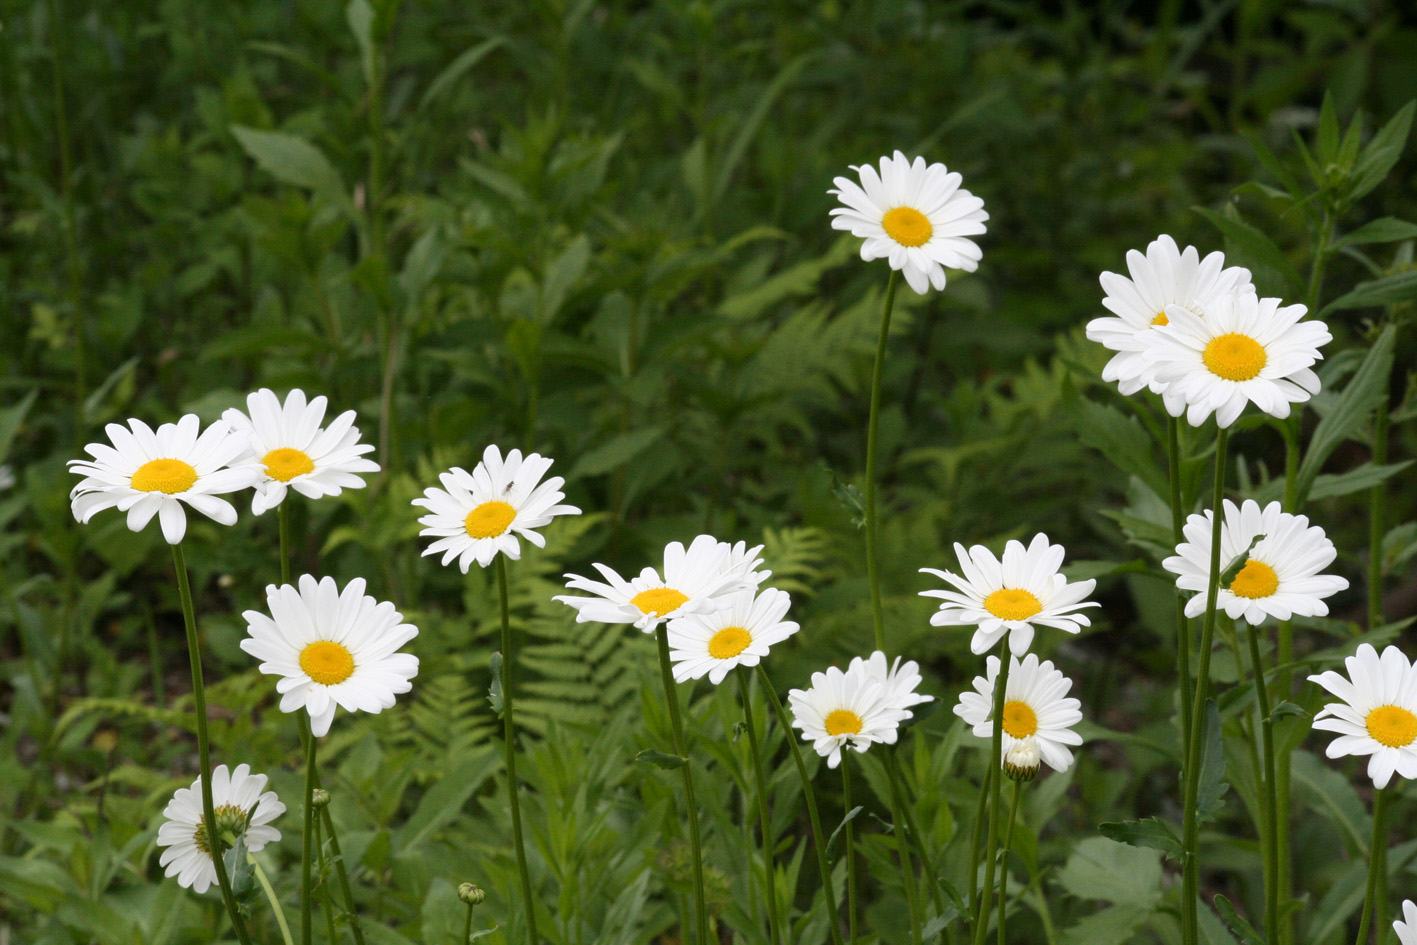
x=274 y=900
x=1190 y=841
x=850 y=848
x=509 y=739
x=1376 y=863
x=307 y=839
x=1008 y=845
x=204 y=760
x=1269 y=799
x=873 y=569
x=905 y=832
x=1183 y=624
x=676 y=724
x=764 y=814
x=996 y=749
x=818 y=841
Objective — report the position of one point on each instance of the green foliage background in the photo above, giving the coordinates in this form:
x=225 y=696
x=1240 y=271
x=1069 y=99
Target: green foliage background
x=600 y=231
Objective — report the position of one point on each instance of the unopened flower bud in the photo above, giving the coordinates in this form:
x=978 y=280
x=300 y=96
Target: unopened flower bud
x=471 y=894
x=1021 y=761
x=319 y=798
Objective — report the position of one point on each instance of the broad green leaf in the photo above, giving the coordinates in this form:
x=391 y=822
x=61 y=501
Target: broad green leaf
x=1122 y=441
x=1383 y=230
x=1237 y=923
x=1389 y=290
x=1113 y=926
x=1212 y=786
x=1363 y=477
x=1248 y=246
x=1358 y=400
x=290 y=159
x=661 y=759
x=1100 y=868
x=1381 y=154
x=611 y=455
x=1151 y=833
x=39 y=883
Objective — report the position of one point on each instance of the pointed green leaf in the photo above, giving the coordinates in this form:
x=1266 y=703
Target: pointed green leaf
x=1212 y=786
x=1237 y=923
x=661 y=759
x=1248 y=246
x=1382 y=230
x=1381 y=154
x=1389 y=290
x=290 y=159
x=850 y=816
x=1150 y=832
x=1357 y=402
x=1122 y=441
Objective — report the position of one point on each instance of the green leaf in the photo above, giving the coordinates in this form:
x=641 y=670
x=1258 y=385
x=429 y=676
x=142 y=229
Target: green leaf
x=1389 y=290
x=940 y=922
x=850 y=816
x=1237 y=923
x=1355 y=480
x=850 y=498
x=360 y=17
x=290 y=160
x=1381 y=154
x=1399 y=544
x=241 y=874
x=1362 y=395
x=611 y=455
x=1212 y=786
x=12 y=417
x=1326 y=142
x=1122 y=441
x=455 y=70
x=1382 y=230
x=1248 y=246
x=445 y=799
x=494 y=691
x=1287 y=710
x=1100 y=868
x=1151 y=833
x=661 y=759
x=1114 y=926
x=1227 y=576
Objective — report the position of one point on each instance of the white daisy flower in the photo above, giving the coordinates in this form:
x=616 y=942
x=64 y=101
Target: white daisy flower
x=738 y=635
x=147 y=473
x=1035 y=708
x=741 y=562
x=916 y=216
x=1407 y=931
x=1165 y=276
x=844 y=710
x=483 y=512
x=1246 y=349
x=332 y=648
x=1378 y=714
x=696 y=581
x=242 y=811
x=1013 y=596
x=898 y=680
x=295 y=452
x=1280 y=577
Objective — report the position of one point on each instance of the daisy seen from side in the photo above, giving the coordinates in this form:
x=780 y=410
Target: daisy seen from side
x=1037 y=709
x=740 y=634
x=844 y=710
x=1378 y=712
x=243 y=808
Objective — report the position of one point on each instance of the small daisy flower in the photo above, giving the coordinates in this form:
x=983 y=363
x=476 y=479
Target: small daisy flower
x=844 y=710
x=1407 y=931
x=295 y=452
x=241 y=811
x=898 y=680
x=331 y=648
x=1280 y=577
x=483 y=512
x=738 y=635
x=147 y=473
x=1245 y=350
x=696 y=581
x=1035 y=708
x=1378 y=714
x=1165 y=276
x=916 y=216
x=1011 y=597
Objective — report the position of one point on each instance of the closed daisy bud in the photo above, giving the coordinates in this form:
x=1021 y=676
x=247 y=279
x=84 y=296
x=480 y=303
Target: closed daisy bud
x=471 y=894
x=1378 y=714
x=1021 y=761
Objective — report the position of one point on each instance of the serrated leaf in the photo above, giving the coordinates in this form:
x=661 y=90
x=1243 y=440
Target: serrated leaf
x=1112 y=926
x=1359 y=399
x=850 y=816
x=1100 y=868
x=1211 y=796
x=1237 y=923
x=1150 y=833
x=661 y=759
x=1381 y=154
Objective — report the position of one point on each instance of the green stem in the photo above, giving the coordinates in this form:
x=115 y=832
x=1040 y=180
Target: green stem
x=850 y=848
x=873 y=571
x=1183 y=625
x=764 y=815
x=1190 y=928
x=996 y=748
x=326 y=903
x=671 y=695
x=343 y=877
x=271 y=897
x=467 y=926
x=818 y=841
x=1008 y=844
x=976 y=842
x=509 y=739
x=307 y=839
x=1377 y=501
x=204 y=761
x=1269 y=798
x=1375 y=862
x=1284 y=684
x=283 y=516
x=905 y=831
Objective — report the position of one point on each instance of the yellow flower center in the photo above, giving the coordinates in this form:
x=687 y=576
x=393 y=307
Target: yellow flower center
x=1256 y=579
x=1235 y=357
x=843 y=722
x=659 y=600
x=286 y=463
x=907 y=226
x=327 y=662
x=1019 y=719
x=1012 y=604
x=729 y=642
x=230 y=819
x=1392 y=726
x=1160 y=319
x=489 y=519
x=164 y=475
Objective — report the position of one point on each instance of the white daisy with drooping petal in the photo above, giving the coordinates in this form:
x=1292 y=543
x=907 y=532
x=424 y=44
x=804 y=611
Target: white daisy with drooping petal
x=475 y=515
x=1378 y=714
x=1036 y=707
x=146 y=473
x=1165 y=276
x=331 y=648
x=914 y=215
x=1407 y=931
x=295 y=452
x=738 y=635
x=845 y=710
x=1011 y=597
x=742 y=562
x=697 y=580
x=1245 y=350
x=1280 y=577
x=242 y=811
x=899 y=680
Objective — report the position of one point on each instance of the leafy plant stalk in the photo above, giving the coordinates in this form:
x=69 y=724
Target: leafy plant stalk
x=696 y=847
x=509 y=739
x=996 y=749
x=900 y=818
x=1269 y=798
x=764 y=815
x=343 y=876
x=850 y=848
x=873 y=568
x=1376 y=860
x=307 y=839
x=327 y=905
x=1008 y=844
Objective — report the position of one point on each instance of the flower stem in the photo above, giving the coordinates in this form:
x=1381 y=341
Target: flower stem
x=1376 y=862
x=1183 y=625
x=1190 y=927
x=283 y=516
x=307 y=838
x=1269 y=800
x=1284 y=684
x=976 y=842
x=326 y=904
x=850 y=848
x=1377 y=501
x=1008 y=842
x=873 y=570
x=764 y=815
x=204 y=761
x=905 y=825
x=343 y=877
x=818 y=840
x=467 y=926
x=273 y=900
x=509 y=738
x=996 y=748
x=676 y=723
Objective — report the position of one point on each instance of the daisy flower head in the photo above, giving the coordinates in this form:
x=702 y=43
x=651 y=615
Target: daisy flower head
x=1280 y=577
x=844 y=710
x=1378 y=714
x=738 y=635
x=1164 y=276
x=331 y=648
x=293 y=451
x=477 y=514
x=741 y=562
x=1245 y=350
x=242 y=811
x=898 y=680
x=914 y=215
x=1036 y=709
x=1012 y=596
x=146 y=473
x=696 y=580
x=1407 y=930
